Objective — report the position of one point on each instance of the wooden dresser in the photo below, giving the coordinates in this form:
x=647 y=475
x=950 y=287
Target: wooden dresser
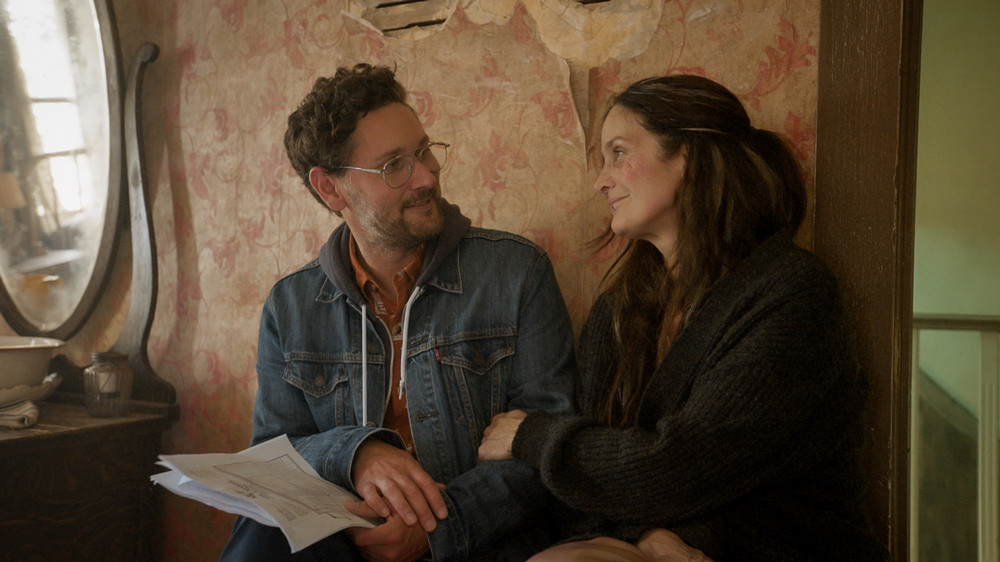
x=75 y=487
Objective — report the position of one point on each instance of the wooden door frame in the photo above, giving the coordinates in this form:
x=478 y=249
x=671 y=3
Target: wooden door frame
x=865 y=191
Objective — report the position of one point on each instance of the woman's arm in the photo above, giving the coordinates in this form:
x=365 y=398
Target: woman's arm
x=776 y=394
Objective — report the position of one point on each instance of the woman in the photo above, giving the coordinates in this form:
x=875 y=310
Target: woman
x=722 y=403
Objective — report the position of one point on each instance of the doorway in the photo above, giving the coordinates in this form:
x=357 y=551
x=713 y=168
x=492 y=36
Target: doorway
x=955 y=415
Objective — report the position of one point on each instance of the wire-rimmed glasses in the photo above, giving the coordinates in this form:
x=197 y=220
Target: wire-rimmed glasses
x=398 y=169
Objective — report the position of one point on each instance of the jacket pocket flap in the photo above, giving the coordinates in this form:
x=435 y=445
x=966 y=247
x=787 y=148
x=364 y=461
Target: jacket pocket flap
x=477 y=355
x=317 y=379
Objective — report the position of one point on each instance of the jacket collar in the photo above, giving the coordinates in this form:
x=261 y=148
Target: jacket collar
x=441 y=262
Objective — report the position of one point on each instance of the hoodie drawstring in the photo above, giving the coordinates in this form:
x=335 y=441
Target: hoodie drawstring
x=364 y=364
x=406 y=339
x=402 y=353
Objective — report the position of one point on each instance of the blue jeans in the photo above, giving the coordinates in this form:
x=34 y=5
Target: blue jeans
x=251 y=541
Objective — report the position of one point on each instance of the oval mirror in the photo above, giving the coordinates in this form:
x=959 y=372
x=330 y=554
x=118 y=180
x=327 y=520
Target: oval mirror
x=60 y=161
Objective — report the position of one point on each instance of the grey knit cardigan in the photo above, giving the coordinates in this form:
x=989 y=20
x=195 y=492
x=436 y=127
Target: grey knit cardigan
x=749 y=433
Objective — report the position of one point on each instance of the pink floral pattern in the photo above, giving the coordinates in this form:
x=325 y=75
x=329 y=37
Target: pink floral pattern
x=231 y=217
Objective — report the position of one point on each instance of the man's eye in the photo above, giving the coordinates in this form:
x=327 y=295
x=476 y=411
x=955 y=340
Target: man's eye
x=393 y=165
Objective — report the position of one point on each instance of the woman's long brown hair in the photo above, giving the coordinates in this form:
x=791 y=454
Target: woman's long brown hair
x=741 y=185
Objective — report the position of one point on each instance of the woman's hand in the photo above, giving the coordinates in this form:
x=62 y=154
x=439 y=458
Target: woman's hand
x=663 y=545
x=498 y=437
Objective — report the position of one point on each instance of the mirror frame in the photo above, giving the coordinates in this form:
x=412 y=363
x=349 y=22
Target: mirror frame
x=114 y=214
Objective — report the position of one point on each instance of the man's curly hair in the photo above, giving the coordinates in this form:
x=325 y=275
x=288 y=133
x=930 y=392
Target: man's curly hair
x=319 y=131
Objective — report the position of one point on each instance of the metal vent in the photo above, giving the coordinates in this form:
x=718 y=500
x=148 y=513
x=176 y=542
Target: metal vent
x=414 y=18
x=396 y=17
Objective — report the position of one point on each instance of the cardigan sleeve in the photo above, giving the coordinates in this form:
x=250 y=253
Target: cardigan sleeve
x=773 y=397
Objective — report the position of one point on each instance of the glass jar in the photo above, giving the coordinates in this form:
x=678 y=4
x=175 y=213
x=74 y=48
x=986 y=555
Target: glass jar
x=107 y=384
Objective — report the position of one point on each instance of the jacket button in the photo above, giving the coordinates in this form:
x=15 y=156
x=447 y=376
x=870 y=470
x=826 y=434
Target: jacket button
x=370 y=424
x=318 y=380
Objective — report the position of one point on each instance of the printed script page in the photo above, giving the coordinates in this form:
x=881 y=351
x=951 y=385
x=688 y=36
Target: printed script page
x=269 y=483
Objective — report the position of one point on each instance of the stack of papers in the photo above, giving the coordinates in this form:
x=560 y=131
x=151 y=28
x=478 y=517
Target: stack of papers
x=270 y=483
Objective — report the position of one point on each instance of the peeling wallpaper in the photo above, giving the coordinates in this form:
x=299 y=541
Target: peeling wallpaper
x=512 y=85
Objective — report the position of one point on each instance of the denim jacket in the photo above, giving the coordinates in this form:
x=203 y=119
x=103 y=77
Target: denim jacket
x=487 y=332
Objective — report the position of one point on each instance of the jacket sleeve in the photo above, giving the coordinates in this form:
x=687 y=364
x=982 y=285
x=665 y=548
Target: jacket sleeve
x=494 y=499
x=280 y=408
x=775 y=394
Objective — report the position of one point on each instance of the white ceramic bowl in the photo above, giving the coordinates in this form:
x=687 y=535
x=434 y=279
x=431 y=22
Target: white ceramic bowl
x=24 y=360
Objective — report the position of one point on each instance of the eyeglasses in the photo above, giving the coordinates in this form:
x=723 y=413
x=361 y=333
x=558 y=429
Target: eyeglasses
x=398 y=169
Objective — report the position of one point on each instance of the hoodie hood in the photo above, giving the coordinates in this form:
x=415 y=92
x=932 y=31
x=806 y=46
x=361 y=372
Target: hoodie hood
x=335 y=258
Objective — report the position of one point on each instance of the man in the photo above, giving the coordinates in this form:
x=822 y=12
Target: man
x=384 y=359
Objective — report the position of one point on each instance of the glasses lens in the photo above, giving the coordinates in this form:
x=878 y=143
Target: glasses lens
x=397 y=170
x=435 y=154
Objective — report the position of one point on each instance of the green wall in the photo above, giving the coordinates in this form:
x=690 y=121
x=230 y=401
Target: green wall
x=957 y=238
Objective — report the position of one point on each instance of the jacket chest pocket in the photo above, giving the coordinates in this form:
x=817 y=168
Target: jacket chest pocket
x=475 y=372
x=326 y=389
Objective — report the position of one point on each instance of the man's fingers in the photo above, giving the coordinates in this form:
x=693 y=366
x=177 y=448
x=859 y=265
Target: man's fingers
x=431 y=491
x=408 y=501
x=363 y=537
x=370 y=493
x=390 y=480
x=415 y=500
x=397 y=500
x=361 y=509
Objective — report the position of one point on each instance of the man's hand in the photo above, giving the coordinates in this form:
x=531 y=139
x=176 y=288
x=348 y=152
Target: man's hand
x=383 y=473
x=498 y=437
x=393 y=541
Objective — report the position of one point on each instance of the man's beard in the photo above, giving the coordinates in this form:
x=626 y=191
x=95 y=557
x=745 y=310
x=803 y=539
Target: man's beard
x=394 y=232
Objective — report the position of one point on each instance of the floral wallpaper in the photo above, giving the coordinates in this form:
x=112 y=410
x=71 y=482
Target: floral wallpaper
x=515 y=87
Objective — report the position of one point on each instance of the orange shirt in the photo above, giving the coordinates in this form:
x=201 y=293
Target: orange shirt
x=390 y=311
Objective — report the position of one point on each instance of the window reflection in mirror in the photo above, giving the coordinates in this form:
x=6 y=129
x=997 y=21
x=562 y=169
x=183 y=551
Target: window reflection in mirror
x=54 y=154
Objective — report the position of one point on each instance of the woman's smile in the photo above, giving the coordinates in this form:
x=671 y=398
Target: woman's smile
x=613 y=202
